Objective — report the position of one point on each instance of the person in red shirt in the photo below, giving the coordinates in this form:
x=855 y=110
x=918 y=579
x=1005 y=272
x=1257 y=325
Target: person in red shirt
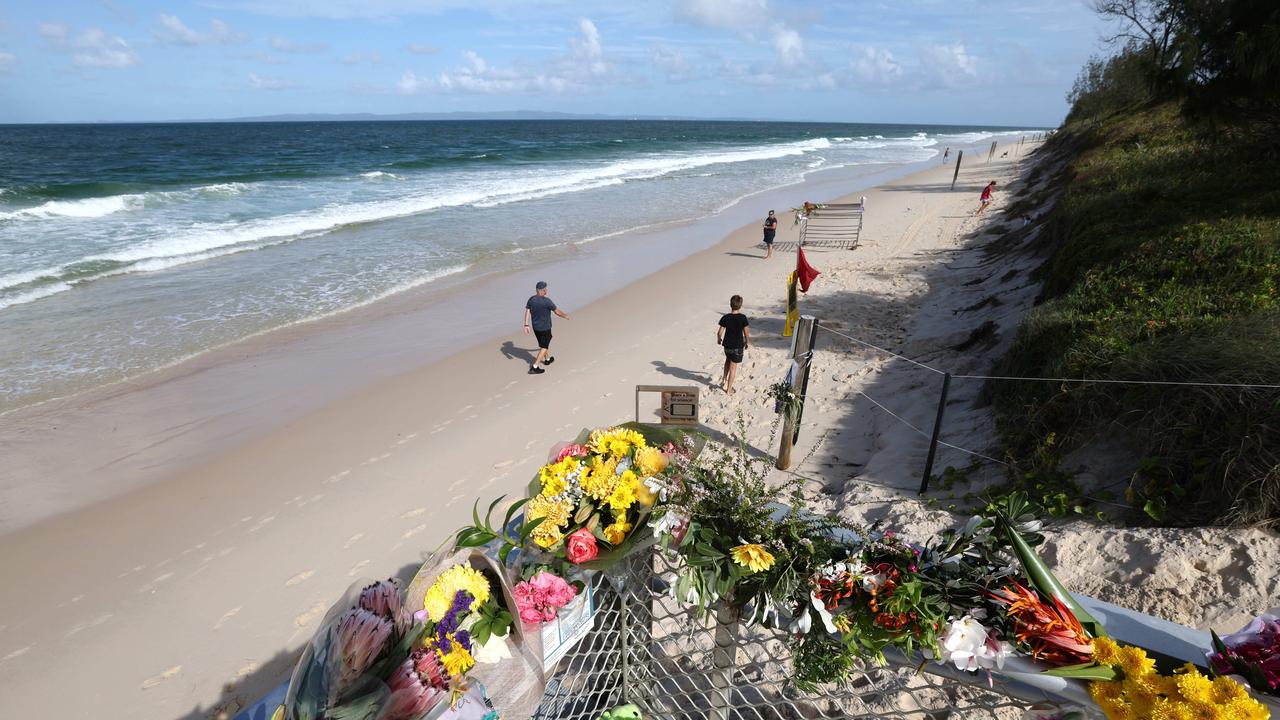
x=986 y=197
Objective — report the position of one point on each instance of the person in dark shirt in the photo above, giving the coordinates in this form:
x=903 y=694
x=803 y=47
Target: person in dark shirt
x=537 y=317
x=734 y=335
x=770 y=230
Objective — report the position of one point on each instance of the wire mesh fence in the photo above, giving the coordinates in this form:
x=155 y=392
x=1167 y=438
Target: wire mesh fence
x=647 y=649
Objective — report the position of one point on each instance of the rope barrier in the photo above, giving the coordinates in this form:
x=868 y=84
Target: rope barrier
x=922 y=433
x=1016 y=378
x=877 y=347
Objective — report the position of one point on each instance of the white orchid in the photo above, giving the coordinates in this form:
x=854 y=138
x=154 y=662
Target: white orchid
x=657 y=487
x=668 y=522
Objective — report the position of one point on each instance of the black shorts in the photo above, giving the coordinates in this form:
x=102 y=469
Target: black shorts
x=733 y=355
x=544 y=338
x=768 y=237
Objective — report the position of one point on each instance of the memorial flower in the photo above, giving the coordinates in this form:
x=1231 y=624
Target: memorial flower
x=969 y=645
x=442 y=593
x=539 y=597
x=753 y=557
x=1253 y=653
x=1141 y=692
x=581 y=547
x=617 y=532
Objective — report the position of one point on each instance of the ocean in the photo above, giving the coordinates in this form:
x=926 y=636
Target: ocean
x=125 y=248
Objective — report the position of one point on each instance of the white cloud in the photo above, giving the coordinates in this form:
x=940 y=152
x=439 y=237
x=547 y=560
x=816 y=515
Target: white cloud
x=875 y=66
x=7 y=61
x=373 y=57
x=725 y=14
x=579 y=70
x=287 y=46
x=789 y=46
x=92 y=48
x=262 y=82
x=420 y=49
x=950 y=65
x=676 y=65
x=175 y=32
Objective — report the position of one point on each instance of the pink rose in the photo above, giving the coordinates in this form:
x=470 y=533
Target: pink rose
x=538 y=598
x=574 y=450
x=581 y=547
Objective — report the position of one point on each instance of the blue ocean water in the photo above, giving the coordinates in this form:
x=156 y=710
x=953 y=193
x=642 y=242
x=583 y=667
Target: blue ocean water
x=127 y=247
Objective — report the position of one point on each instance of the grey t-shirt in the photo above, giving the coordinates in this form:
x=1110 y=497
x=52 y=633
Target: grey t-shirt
x=540 y=308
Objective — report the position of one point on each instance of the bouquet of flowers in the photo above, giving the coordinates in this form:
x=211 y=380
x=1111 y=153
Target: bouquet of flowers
x=593 y=495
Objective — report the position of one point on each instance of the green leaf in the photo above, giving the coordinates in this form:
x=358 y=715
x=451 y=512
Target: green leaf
x=511 y=512
x=488 y=514
x=1086 y=671
x=1155 y=508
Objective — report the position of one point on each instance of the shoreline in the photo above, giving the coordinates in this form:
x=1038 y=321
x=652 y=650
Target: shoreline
x=137 y=431
x=190 y=597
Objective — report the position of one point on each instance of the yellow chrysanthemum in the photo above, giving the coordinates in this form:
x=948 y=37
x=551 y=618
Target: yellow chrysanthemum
x=650 y=461
x=600 y=478
x=556 y=512
x=457 y=661
x=753 y=557
x=1226 y=690
x=644 y=495
x=624 y=493
x=1134 y=661
x=1195 y=687
x=547 y=536
x=617 y=532
x=1105 y=651
x=555 y=476
x=616 y=442
x=442 y=592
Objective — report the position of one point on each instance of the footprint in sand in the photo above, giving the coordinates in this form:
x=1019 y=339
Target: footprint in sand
x=227 y=616
x=262 y=523
x=503 y=464
x=355 y=569
x=247 y=670
x=413 y=513
x=384 y=456
x=80 y=627
x=17 y=653
x=504 y=406
x=457 y=483
x=151 y=586
x=463 y=409
x=413 y=531
x=155 y=680
x=311 y=615
x=352 y=541
x=300 y=577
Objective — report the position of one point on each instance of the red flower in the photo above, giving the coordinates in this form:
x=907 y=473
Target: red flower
x=581 y=547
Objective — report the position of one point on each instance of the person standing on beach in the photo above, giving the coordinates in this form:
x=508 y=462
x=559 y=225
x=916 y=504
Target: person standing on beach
x=986 y=197
x=770 y=230
x=537 y=317
x=734 y=336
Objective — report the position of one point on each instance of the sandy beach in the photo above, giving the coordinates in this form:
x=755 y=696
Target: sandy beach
x=189 y=597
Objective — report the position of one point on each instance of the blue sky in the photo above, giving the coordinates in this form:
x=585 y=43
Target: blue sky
x=1007 y=62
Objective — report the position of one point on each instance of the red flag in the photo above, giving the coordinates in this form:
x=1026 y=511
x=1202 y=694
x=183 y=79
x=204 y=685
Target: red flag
x=805 y=272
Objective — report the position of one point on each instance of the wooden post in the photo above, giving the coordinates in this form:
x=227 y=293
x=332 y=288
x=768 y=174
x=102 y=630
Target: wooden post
x=992 y=153
x=803 y=344
x=959 y=155
x=937 y=429
x=804 y=384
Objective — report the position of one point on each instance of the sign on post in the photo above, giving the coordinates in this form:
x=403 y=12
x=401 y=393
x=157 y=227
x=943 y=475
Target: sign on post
x=679 y=404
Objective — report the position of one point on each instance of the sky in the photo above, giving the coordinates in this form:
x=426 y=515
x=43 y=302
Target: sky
x=993 y=62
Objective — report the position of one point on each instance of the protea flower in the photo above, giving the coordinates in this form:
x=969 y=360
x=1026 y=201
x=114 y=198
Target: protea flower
x=362 y=638
x=1051 y=631
x=416 y=686
x=383 y=599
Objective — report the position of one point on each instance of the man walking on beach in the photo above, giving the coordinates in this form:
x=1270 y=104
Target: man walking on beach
x=537 y=317
x=770 y=230
x=734 y=336
x=986 y=197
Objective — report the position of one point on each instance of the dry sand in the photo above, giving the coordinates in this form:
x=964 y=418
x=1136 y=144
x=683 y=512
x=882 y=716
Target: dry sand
x=190 y=596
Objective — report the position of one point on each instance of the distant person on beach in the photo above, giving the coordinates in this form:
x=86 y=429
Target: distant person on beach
x=986 y=197
x=946 y=154
x=537 y=317
x=734 y=336
x=770 y=230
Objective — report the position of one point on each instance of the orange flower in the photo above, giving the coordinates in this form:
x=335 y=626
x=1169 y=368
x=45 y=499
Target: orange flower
x=1051 y=631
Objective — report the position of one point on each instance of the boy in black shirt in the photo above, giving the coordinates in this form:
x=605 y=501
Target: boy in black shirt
x=734 y=336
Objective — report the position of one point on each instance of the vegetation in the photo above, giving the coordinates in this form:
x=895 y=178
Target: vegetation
x=1164 y=266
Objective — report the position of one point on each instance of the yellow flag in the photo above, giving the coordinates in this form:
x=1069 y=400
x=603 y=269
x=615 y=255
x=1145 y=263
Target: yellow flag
x=793 y=306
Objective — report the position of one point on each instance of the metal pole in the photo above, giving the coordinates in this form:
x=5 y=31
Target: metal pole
x=992 y=154
x=959 y=155
x=723 y=659
x=803 y=343
x=937 y=429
